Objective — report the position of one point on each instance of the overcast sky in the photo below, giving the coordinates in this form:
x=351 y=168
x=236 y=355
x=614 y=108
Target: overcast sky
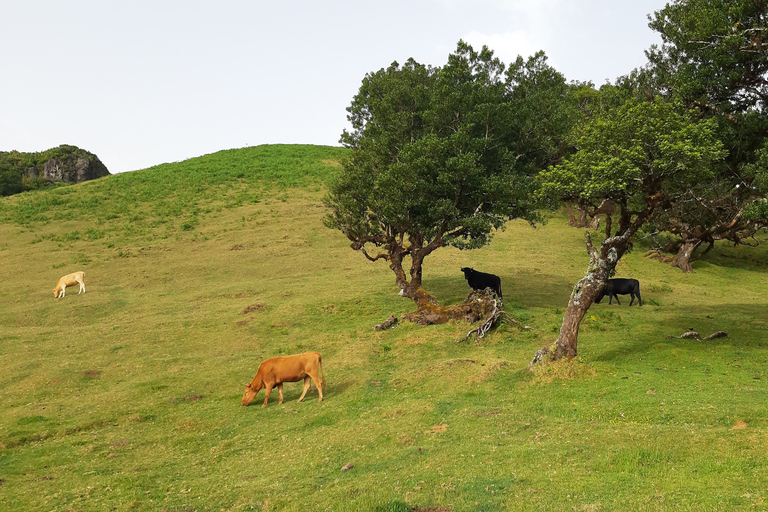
x=145 y=82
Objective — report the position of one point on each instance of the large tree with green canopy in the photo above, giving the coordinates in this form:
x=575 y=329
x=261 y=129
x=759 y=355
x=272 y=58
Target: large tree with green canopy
x=444 y=156
x=642 y=156
x=714 y=57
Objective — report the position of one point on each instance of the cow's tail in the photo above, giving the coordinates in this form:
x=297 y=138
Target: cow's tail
x=322 y=373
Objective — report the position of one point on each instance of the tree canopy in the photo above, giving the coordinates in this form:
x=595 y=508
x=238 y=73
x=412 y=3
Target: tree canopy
x=444 y=156
x=714 y=53
x=714 y=57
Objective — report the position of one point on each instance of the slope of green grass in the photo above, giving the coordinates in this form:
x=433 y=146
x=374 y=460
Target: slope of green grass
x=128 y=397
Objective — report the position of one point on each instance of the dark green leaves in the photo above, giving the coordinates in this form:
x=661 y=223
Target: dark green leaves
x=449 y=153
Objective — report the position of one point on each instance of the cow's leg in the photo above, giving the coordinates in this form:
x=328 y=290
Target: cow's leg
x=306 y=388
x=639 y=300
x=316 y=377
x=617 y=300
x=82 y=287
x=266 y=396
x=633 y=298
x=280 y=390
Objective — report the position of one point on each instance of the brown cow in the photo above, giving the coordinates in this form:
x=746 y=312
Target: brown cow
x=273 y=372
x=69 y=280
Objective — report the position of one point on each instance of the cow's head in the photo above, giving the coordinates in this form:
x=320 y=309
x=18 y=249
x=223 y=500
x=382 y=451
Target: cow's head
x=467 y=271
x=605 y=291
x=251 y=390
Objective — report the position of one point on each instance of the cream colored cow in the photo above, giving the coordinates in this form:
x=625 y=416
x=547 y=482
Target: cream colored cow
x=69 y=280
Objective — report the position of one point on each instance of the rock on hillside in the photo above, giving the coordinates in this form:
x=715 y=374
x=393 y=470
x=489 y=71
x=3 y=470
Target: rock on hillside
x=70 y=164
x=67 y=163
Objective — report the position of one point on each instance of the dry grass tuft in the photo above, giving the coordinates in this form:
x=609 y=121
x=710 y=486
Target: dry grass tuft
x=565 y=369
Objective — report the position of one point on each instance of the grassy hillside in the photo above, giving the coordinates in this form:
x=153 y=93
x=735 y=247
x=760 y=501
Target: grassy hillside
x=128 y=397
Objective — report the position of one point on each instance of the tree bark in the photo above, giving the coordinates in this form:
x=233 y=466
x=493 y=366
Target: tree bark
x=585 y=219
x=601 y=264
x=571 y=217
x=684 y=255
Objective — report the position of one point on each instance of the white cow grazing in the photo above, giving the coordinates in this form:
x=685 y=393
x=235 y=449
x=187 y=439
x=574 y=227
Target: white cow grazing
x=69 y=280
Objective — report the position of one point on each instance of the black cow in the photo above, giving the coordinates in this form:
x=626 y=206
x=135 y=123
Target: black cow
x=616 y=287
x=481 y=280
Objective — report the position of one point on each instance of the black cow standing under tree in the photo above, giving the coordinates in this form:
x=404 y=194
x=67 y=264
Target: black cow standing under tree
x=481 y=280
x=615 y=287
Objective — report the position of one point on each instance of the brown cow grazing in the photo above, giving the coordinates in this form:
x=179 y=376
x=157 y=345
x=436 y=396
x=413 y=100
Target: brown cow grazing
x=273 y=372
x=69 y=280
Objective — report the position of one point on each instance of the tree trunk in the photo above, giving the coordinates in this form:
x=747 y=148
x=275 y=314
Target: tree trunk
x=407 y=288
x=682 y=259
x=571 y=217
x=601 y=264
x=584 y=220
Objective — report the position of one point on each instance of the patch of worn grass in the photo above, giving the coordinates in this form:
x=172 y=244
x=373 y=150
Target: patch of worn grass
x=128 y=397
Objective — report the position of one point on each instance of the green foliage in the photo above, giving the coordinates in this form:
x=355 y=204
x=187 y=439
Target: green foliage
x=636 y=153
x=714 y=53
x=444 y=156
x=10 y=182
x=756 y=209
x=714 y=58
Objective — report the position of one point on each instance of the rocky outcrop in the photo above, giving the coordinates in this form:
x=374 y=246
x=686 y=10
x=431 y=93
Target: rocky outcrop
x=67 y=163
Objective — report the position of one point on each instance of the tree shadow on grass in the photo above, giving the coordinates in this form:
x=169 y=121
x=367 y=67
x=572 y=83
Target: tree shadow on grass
x=530 y=289
x=746 y=325
x=728 y=257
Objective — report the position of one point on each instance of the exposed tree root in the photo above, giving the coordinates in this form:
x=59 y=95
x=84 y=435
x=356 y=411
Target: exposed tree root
x=386 y=324
x=491 y=318
x=542 y=355
x=657 y=255
x=696 y=336
x=477 y=306
x=480 y=305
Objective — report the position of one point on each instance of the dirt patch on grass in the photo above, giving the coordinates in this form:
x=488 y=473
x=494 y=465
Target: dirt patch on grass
x=254 y=308
x=437 y=429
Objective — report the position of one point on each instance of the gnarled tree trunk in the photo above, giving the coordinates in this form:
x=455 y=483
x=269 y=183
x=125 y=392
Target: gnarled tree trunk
x=684 y=255
x=601 y=264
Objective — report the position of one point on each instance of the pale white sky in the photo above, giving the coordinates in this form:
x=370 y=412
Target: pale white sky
x=145 y=82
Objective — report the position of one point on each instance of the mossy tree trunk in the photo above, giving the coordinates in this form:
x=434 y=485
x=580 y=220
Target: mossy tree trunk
x=587 y=290
x=602 y=262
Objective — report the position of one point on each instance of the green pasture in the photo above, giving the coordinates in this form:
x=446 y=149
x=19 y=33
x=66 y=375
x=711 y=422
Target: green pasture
x=128 y=397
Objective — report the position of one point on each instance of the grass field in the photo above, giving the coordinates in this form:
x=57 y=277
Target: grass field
x=128 y=397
